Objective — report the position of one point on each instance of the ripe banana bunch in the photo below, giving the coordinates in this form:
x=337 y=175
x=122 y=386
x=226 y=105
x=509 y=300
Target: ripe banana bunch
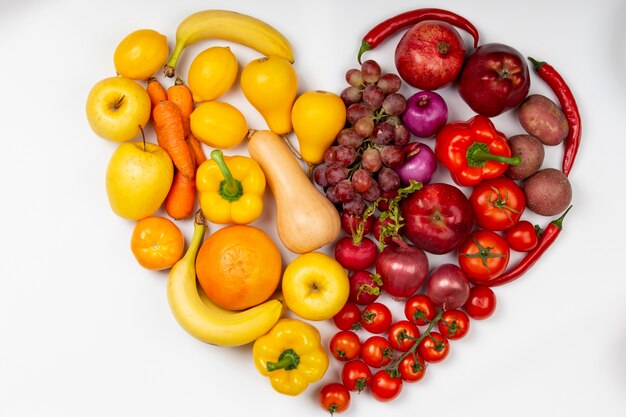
x=205 y=320
x=229 y=26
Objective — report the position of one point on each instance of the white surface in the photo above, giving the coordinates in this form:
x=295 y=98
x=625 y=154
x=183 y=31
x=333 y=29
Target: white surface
x=86 y=332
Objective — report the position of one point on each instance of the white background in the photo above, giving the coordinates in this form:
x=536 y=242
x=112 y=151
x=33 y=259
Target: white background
x=85 y=331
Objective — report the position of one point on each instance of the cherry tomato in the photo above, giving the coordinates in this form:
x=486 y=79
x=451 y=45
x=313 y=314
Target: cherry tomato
x=334 y=398
x=376 y=351
x=349 y=317
x=454 y=324
x=434 y=347
x=402 y=335
x=356 y=375
x=419 y=309
x=376 y=318
x=481 y=303
x=497 y=204
x=484 y=255
x=385 y=387
x=345 y=345
x=522 y=237
x=412 y=368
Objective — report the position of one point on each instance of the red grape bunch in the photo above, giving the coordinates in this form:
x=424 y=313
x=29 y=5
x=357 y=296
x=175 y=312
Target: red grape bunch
x=360 y=165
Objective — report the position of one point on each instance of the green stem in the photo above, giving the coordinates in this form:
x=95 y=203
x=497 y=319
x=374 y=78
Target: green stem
x=559 y=222
x=364 y=48
x=287 y=360
x=537 y=64
x=418 y=340
x=230 y=188
x=478 y=153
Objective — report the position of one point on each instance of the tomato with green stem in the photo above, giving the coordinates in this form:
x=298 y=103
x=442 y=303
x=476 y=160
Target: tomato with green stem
x=376 y=318
x=484 y=255
x=434 y=347
x=345 y=345
x=356 y=375
x=497 y=203
x=419 y=309
x=349 y=317
x=523 y=237
x=334 y=398
x=376 y=351
x=402 y=335
x=412 y=368
x=454 y=324
x=385 y=386
x=481 y=303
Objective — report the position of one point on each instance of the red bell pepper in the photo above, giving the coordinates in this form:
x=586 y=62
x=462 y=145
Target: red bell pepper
x=473 y=150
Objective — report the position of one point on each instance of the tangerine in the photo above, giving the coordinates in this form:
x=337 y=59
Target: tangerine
x=238 y=267
x=157 y=243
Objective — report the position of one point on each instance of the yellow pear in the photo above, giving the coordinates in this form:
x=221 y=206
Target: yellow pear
x=271 y=84
x=317 y=117
x=138 y=178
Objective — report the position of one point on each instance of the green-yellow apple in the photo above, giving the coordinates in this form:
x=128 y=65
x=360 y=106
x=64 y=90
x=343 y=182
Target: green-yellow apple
x=315 y=286
x=138 y=178
x=117 y=107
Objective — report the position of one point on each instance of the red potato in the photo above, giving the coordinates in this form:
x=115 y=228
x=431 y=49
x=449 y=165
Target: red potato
x=531 y=153
x=543 y=119
x=548 y=192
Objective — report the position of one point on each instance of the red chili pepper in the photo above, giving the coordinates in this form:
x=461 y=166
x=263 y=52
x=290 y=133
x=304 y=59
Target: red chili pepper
x=387 y=28
x=568 y=104
x=547 y=238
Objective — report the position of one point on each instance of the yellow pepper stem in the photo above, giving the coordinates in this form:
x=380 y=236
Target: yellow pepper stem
x=230 y=188
x=287 y=360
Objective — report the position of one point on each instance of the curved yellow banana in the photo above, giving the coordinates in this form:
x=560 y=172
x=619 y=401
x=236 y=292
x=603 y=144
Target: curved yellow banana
x=205 y=320
x=229 y=26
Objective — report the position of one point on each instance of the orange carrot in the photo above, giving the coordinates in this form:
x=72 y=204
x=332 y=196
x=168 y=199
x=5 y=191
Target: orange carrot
x=181 y=199
x=168 y=125
x=155 y=91
x=196 y=149
x=180 y=94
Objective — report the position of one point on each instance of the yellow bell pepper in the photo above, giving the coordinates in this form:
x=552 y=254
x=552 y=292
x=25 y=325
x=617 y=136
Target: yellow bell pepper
x=230 y=189
x=291 y=355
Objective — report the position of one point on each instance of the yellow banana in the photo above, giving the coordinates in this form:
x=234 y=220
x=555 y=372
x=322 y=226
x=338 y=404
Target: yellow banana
x=229 y=26
x=205 y=320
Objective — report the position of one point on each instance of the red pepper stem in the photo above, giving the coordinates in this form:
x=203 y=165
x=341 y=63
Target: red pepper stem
x=559 y=222
x=478 y=153
x=536 y=64
x=364 y=48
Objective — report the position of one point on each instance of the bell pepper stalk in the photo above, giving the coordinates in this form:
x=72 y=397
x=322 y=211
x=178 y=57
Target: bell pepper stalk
x=230 y=188
x=473 y=150
x=291 y=355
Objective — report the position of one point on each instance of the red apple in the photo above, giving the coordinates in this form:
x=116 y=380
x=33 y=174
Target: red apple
x=430 y=55
x=438 y=218
x=495 y=79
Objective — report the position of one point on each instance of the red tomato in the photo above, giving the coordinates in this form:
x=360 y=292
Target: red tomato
x=522 y=237
x=498 y=203
x=334 y=398
x=385 y=387
x=356 y=375
x=481 y=303
x=345 y=345
x=484 y=255
x=376 y=318
x=349 y=317
x=419 y=309
x=402 y=335
x=376 y=351
x=434 y=347
x=454 y=324
x=412 y=368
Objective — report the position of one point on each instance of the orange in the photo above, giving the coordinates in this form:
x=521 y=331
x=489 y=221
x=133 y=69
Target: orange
x=157 y=243
x=238 y=267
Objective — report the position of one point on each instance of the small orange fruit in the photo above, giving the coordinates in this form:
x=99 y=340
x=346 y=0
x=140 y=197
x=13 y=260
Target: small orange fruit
x=157 y=243
x=238 y=267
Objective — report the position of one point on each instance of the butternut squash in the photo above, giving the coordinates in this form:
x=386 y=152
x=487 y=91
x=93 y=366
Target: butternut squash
x=305 y=219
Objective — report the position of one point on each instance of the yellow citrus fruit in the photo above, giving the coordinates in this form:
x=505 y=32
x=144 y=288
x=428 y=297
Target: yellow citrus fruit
x=140 y=54
x=212 y=73
x=218 y=124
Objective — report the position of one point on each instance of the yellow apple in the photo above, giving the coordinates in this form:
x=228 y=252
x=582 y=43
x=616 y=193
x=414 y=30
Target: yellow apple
x=315 y=286
x=138 y=178
x=116 y=108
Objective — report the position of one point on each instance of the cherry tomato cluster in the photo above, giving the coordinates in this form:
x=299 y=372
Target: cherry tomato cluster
x=395 y=351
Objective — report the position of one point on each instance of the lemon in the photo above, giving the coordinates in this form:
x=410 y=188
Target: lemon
x=140 y=54
x=212 y=73
x=218 y=124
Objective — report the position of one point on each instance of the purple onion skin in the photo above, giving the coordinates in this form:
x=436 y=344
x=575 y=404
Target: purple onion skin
x=419 y=163
x=425 y=114
x=448 y=286
x=402 y=268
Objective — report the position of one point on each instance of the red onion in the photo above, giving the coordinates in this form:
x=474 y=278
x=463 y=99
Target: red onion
x=419 y=164
x=402 y=268
x=425 y=114
x=448 y=286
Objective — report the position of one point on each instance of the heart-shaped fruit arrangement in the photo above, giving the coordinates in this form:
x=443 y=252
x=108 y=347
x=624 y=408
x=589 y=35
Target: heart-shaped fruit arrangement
x=358 y=186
